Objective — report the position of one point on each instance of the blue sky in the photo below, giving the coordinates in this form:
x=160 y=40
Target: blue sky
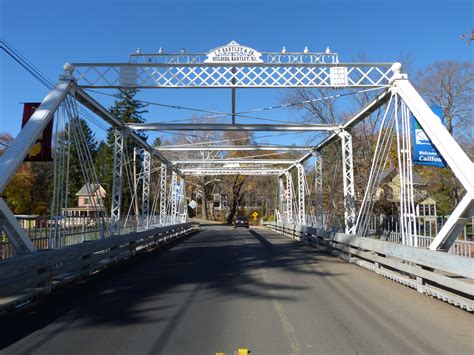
x=50 y=33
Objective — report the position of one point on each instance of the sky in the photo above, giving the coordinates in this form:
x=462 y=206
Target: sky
x=51 y=33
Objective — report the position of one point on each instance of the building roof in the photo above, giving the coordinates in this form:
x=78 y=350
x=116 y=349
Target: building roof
x=392 y=172
x=84 y=191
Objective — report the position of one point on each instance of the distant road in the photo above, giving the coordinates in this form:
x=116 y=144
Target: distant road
x=222 y=289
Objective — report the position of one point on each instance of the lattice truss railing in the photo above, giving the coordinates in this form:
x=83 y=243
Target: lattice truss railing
x=200 y=76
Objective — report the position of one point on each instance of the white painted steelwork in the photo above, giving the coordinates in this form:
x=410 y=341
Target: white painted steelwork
x=301 y=194
x=232 y=75
x=163 y=177
x=174 y=196
x=232 y=161
x=189 y=148
x=318 y=189
x=117 y=182
x=230 y=171
x=348 y=181
x=289 y=198
x=303 y=70
x=146 y=188
x=231 y=127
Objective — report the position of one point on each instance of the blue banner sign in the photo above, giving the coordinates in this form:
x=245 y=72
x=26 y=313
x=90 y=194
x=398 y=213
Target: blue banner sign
x=424 y=153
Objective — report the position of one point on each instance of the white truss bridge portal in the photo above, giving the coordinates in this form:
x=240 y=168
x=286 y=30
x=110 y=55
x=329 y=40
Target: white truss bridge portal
x=157 y=184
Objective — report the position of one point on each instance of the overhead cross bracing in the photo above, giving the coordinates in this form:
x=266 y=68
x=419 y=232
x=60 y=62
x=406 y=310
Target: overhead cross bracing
x=235 y=147
x=233 y=161
x=231 y=127
x=255 y=171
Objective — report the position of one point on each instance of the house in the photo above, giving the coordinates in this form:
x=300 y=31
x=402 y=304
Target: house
x=90 y=198
x=388 y=193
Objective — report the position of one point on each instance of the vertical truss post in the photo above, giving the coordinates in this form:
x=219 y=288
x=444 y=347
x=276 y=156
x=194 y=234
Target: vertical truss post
x=301 y=195
x=318 y=188
x=146 y=188
x=117 y=180
x=280 y=199
x=174 y=196
x=348 y=180
x=163 y=175
x=289 y=197
x=182 y=205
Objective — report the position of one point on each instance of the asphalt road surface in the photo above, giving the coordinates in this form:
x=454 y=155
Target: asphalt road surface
x=222 y=289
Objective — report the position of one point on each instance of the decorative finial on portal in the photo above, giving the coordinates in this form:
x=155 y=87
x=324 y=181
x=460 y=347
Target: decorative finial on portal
x=68 y=68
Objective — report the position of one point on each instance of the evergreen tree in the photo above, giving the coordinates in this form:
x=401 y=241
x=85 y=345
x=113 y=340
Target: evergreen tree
x=128 y=110
x=76 y=177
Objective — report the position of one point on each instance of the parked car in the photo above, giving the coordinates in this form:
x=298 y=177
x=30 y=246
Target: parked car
x=241 y=222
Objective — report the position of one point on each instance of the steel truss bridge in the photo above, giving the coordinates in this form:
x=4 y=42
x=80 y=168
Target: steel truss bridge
x=161 y=181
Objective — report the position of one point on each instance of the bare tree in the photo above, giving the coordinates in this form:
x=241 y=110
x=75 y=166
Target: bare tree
x=204 y=184
x=450 y=84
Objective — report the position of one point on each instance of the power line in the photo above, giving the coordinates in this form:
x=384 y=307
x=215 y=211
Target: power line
x=40 y=76
x=242 y=113
x=216 y=114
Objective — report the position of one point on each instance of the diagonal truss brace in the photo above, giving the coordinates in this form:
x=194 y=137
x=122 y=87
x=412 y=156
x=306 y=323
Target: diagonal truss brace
x=348 y=181
x=15 y=233
x=454 y=225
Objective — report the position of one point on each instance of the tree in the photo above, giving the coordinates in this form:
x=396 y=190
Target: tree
x=127 y=109
x=450 y=84
x=76 y=178
x=22 y=193
x=204 y=184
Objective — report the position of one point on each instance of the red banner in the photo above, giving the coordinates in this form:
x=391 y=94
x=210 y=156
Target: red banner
x=41 y=150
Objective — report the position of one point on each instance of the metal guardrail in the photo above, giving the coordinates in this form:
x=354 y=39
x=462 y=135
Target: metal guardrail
x=24 y=277
x=459 y=247
x=444 y=276
x=74 y=230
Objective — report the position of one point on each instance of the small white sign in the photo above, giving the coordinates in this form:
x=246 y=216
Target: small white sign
x=338 y=76
x=193 y=204
x=233 y=53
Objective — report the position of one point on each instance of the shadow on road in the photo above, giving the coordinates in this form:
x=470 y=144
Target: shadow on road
x=160 y=285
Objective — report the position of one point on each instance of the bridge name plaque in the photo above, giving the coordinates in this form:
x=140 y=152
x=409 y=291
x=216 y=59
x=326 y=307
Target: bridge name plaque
x=233 y=53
